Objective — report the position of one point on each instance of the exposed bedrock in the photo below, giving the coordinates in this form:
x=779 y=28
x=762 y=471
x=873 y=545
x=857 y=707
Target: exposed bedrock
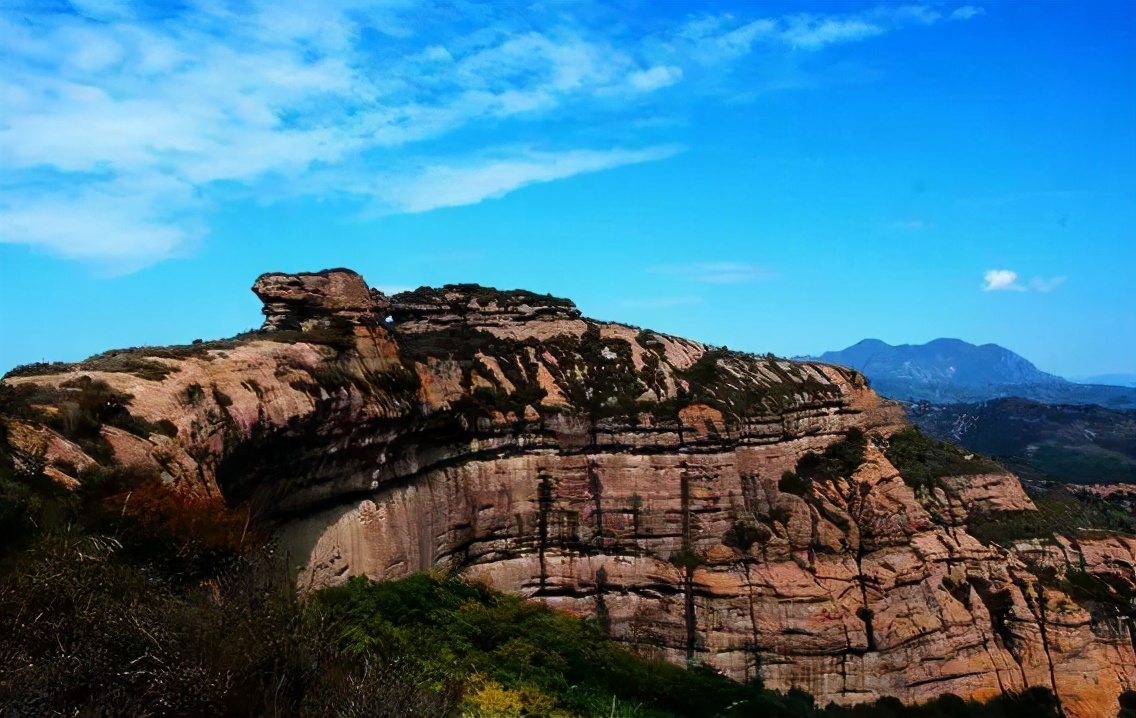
x=613 y=472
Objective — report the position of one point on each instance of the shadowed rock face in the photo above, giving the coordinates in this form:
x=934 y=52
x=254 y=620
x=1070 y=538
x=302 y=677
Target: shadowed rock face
x=617 y=473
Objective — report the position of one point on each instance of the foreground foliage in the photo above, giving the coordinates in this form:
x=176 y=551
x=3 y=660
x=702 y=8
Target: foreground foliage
x=116 y=600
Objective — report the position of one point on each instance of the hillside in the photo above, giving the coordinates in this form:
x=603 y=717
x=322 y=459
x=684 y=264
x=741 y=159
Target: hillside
x=1068 y=443
x=768 y=519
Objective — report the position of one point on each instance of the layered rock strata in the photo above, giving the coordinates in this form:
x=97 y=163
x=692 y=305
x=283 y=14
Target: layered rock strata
x=610 y=471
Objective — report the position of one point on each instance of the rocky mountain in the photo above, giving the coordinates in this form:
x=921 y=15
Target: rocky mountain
x=1081 y=444
x=764 y=516
x=948 y=371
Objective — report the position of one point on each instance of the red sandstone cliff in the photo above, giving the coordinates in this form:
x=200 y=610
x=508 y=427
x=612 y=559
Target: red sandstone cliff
x=610 y=471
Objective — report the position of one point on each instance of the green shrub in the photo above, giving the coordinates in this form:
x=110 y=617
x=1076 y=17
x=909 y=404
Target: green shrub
x=78 y=409
x=922 y=461
x=791 y=483
x=839 y=459
x=456 y=630
x=1058 y=512
x=744 y=533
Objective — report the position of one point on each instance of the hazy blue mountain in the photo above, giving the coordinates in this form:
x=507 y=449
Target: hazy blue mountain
x=954 y=371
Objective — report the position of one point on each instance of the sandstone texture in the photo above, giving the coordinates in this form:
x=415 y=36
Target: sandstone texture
x=613 y=472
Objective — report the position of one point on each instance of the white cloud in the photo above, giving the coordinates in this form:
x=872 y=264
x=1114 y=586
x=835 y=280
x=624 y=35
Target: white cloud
x=813 y=32
x=139 y=119
x=897 y=15
x=714 y=272
x=436 y=53
x=121 y=225
x=739 y=41
x=1038 y=284
x=716 y=38
x=449 y=186
x=93 y=51
x=1007 y=280
x=654 y=78
x=1001 y=280
x=966 y=12
x=284 y=95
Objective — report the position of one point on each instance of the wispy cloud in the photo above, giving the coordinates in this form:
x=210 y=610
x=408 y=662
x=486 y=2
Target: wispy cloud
x=448 y=186
x=713 y=38
x=714 y=272
x=145 y=123
x=911 y=225
x=1039 y=284
x=654 y=78
x=143 y=120
x=812 y=33
x=966 y=12
x=1003 y=280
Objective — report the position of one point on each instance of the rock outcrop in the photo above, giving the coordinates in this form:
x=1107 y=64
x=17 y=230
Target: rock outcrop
x=312 y=300
x=613 y=472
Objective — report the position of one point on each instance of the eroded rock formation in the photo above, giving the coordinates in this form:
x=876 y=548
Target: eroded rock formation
x=611 y=471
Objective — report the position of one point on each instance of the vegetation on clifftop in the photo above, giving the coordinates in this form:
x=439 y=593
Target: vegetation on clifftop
x=484 y=296
x=839 y=459
x=922 y=461
x=1058 y=512
x=740 y=384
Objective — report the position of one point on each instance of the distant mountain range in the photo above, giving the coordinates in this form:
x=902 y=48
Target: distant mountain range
x=950 y=371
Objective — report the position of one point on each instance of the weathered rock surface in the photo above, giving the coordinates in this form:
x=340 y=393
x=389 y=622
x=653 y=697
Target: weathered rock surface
x=613 y=472
x=307 y=301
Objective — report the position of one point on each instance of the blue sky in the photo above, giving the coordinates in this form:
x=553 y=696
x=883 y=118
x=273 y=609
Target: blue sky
x=781 y=177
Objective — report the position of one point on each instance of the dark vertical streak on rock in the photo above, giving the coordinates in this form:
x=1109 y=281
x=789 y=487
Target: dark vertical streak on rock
x=636 y=508
x=545 y=508
x=603 y=617
x=1131 y=621
x=687 y=562
x=1041 y=618
x=684 y=499
x=865 y=613
x=688 y=586
x=752 y=618
x=595 y=487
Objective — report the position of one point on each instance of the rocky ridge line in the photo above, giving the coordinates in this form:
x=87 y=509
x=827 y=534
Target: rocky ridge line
x=611 y=471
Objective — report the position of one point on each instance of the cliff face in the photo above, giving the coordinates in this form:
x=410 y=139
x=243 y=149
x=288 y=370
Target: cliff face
x=613 y=472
